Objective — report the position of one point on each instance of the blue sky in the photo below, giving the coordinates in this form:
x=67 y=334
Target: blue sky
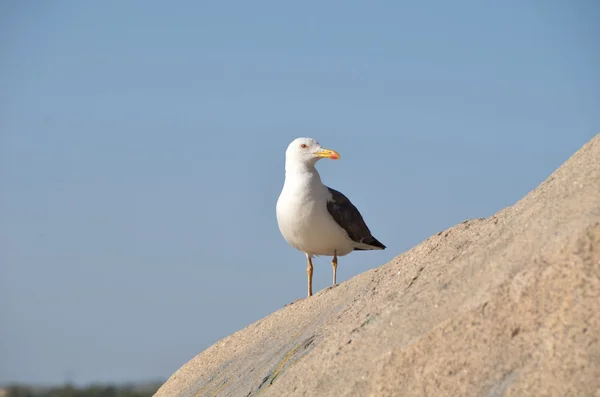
x=142 y=149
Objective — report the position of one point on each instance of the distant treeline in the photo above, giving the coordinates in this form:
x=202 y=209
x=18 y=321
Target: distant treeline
x=146 y=390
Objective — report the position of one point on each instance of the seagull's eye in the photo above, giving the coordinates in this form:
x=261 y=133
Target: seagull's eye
x=304 y=146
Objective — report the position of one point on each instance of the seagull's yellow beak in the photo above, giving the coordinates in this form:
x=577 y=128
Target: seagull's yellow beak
x=328 y=154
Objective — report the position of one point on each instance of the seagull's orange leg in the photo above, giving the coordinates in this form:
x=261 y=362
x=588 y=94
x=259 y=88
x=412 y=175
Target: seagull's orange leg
x=309 y=272
x=334 y=264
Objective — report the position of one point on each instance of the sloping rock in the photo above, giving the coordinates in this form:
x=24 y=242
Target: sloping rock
x=503 y=306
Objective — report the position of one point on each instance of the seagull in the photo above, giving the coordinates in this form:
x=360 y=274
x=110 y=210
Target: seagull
x=316 y=219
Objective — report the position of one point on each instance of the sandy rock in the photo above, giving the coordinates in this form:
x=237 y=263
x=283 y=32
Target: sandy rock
x=503 y=306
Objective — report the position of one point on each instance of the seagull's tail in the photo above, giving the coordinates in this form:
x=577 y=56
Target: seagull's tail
x=367 y=244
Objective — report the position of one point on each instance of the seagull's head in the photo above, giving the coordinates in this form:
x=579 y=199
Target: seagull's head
x=308 y=151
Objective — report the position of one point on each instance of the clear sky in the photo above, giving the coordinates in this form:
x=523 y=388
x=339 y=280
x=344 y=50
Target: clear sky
x=142 y=150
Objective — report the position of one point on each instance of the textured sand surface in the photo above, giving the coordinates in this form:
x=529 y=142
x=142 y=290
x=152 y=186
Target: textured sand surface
x=503 y=306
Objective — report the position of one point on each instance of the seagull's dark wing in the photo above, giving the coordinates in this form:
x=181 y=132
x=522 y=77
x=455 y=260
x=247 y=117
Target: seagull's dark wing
x=349 y=218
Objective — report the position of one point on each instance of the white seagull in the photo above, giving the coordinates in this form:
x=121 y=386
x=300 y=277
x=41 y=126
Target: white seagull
x=314 y=218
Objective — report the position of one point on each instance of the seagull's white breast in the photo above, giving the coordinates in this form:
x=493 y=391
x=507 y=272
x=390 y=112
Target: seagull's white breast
x=304 y=220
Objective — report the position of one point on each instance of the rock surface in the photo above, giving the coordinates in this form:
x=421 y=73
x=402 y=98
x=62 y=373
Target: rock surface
x=503 y=306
